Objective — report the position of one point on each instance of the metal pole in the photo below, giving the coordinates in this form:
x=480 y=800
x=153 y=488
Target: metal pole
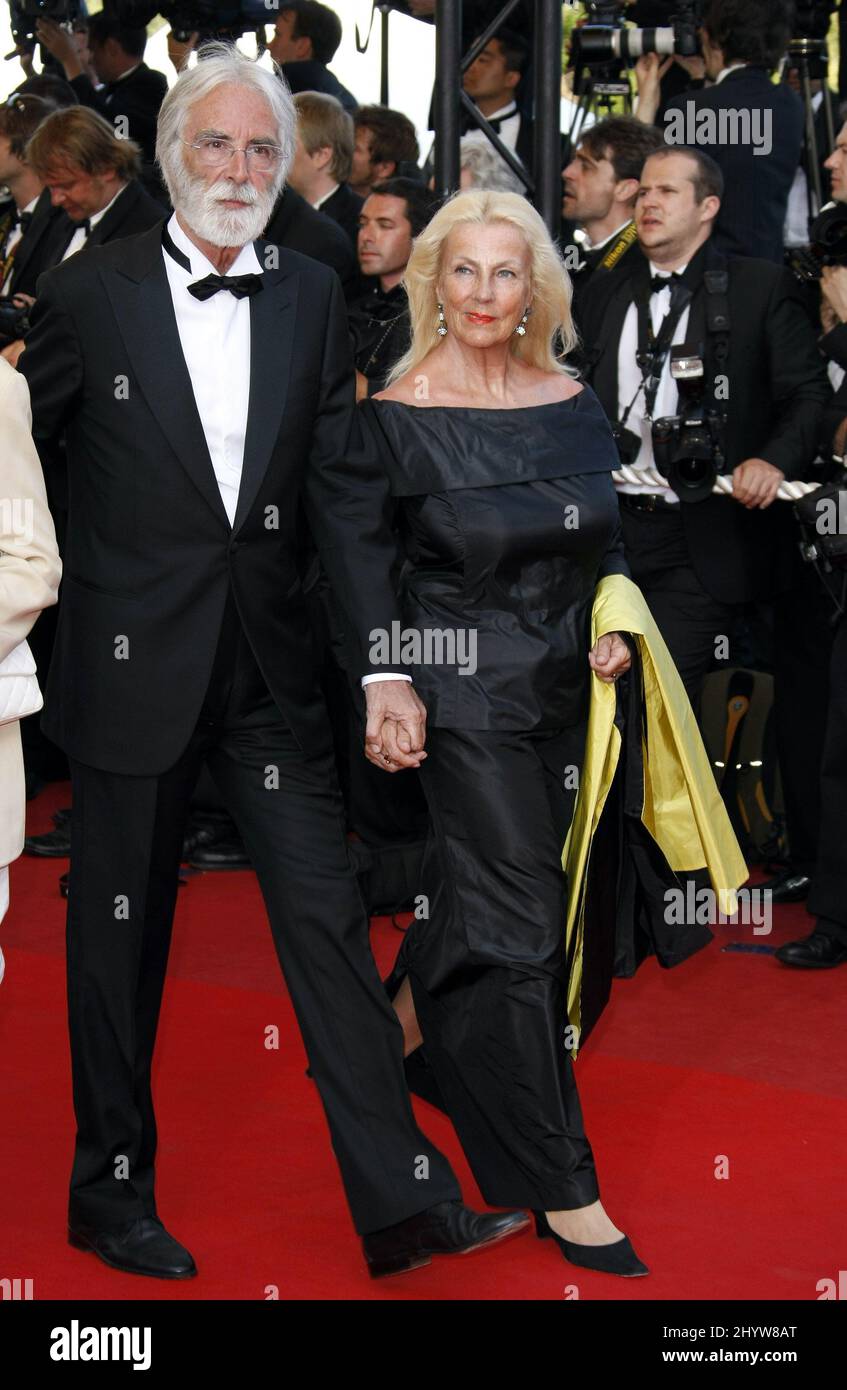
x=547 y=145
x=448 y=78
x=383 y=55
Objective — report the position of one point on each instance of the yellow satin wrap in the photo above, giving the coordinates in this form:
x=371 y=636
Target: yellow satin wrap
x=683 y=810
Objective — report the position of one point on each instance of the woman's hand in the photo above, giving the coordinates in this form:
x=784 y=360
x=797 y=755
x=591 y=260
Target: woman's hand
x=609 y=657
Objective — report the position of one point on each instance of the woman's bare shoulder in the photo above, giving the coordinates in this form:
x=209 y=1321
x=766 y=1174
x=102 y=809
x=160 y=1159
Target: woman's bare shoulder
x=545 y=388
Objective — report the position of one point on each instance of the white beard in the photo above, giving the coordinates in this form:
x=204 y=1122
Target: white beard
x=201 y=206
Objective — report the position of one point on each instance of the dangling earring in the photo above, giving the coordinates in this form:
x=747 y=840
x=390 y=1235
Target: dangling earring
x=520 y=328
x=442 y=326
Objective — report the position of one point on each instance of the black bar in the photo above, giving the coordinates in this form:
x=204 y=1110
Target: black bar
x=448 y=60
x=383 y=55
x=547 y=146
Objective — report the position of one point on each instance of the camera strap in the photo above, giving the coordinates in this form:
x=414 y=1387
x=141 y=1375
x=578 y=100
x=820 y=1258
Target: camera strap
x=653 y=348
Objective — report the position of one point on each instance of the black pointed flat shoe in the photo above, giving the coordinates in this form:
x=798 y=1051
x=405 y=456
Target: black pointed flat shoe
x=618 y=1257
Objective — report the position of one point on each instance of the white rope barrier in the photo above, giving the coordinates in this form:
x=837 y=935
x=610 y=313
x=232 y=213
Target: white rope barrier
x=788 y=492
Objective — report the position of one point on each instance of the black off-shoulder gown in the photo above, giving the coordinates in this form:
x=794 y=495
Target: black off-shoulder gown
x=507 y=519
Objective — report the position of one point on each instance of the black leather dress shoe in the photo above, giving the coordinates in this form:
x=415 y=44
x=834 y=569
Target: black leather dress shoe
x=449 y=1228
x=815 y=952
x=56 y=844
x=787 y=887
x=143 y=1247
x=228 y=853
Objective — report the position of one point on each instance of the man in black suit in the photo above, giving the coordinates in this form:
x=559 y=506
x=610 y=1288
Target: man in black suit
x=199 y=405
x=697 y=561
x=491 y=82
x=26 y=237
x=323 y=159
x=131 y=92
x=296 y=224
x=600 y=184
x=752 y=128
x=92 y=175
x=305 y=38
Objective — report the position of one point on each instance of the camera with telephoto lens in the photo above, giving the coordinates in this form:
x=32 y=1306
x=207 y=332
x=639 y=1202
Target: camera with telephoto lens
x=209 y=18
x=828 y=238
x=14 y=322
x=607 y=41
x=687 y=447
x=25 y=14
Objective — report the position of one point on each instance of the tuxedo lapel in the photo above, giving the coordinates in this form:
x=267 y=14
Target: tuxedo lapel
x=604 y=379
x=120 y=210
x=272 y=316
x=141 y=298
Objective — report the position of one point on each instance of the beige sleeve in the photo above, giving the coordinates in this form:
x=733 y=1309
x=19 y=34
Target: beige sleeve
x=30 y=567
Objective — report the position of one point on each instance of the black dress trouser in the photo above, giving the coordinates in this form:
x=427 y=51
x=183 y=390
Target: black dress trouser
x=127 y=835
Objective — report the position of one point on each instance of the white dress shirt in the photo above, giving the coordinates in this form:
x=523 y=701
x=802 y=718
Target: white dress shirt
x=215 y=338
x=795 y=231
x=14 y=238
x=325 y=197
x=80 y=236
x=629 y=380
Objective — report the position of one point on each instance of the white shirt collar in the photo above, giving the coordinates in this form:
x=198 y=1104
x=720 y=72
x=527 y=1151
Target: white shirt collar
x=598 y=245
x=733 y=67
x=657 y=270
x=124 y=75
x=245 y=263
x=30 y=207
x=324 y=196
x=510 y=109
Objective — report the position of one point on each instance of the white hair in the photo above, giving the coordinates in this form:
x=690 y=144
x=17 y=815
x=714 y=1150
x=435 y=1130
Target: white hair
x=487 y=168
x=222 y=64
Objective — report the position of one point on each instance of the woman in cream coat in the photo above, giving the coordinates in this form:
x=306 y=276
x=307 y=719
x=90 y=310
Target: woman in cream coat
x=29 y=581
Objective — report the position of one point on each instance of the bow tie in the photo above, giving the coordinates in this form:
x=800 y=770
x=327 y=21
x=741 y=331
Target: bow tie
x=494 y=121
x=22 y=220
x=238 y=285
x=664 y=282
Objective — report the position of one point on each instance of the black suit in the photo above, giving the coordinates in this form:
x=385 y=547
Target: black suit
x=344 y=206
x=136 y=98
x=34 y=252
x=777 y=389
x=219 y=667
x=312 y=76
x=296 y=224
x=752 y=215
x=133 y=211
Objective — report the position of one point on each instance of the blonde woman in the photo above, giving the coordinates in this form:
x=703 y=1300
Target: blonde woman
x=29 y=581
x=499 y=462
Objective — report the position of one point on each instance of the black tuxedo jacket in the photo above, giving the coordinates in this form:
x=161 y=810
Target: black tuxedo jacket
x=752 y=215
x=150 y=553
x=344 y=207
x=296 y=224
x=312 y=76
x=133 y=211
x=778 y=388
x=36 y=249
x=136 y=97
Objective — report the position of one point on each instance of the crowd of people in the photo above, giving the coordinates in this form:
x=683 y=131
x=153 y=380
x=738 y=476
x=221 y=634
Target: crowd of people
x=244 y=493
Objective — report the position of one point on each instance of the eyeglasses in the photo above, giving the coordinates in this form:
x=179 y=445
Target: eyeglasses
x=214 y=152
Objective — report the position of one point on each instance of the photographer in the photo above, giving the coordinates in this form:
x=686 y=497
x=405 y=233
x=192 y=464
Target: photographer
x=131 y=93
x=761 y=395
x=752 y=128
x=305 y=38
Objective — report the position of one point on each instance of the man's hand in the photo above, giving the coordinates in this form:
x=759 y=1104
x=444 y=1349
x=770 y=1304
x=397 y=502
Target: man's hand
x=61 y=44
x=396 y=728
x=27 y=58
x=834 y=289
x=694 y=66
x=609 y=657
x=649 y=71
x=180 y=50
x=755 y=483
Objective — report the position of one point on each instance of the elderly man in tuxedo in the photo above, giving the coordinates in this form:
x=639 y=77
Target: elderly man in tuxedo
x=204 y=383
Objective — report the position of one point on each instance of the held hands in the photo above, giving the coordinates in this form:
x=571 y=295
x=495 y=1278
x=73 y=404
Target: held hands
x=609 y=657
x=396 y=727
x=755 y=483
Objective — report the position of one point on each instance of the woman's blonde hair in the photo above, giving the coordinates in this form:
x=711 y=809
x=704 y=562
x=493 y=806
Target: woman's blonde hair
x=550 y=335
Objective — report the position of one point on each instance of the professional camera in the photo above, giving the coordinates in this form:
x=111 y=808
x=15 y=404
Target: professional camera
x=687 y=448
x=828 y=235
x=14 y=322
x=606 y=41
x=209 y=18
x=25 y=14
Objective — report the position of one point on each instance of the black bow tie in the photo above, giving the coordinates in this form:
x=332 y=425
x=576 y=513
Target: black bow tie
x=494 y=121
x=664 y=282
x=238 y=285
x=22 y=220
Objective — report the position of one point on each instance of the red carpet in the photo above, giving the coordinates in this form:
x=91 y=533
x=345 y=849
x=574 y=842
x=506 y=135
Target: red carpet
x=730 y=1058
